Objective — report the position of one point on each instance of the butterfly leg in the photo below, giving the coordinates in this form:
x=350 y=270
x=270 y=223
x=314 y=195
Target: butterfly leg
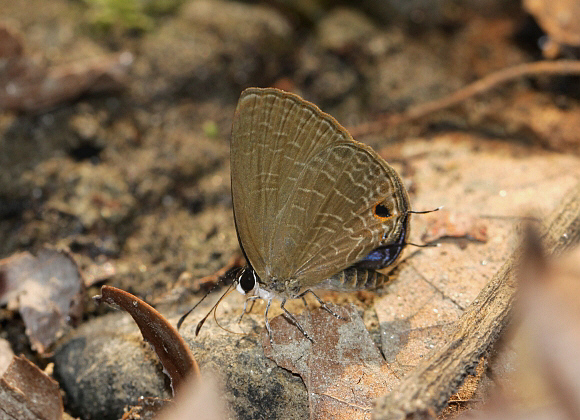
x=244 y=312
x=323 y=305
x=294 y=321
x=266 y=321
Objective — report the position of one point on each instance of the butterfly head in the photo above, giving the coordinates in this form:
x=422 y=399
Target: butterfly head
x=248 y=284
x=247 y=281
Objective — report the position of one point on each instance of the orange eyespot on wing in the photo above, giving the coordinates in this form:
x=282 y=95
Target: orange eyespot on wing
x=381 y=211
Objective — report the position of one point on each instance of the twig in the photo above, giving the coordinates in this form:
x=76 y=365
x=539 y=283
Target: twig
x=210 y=281
x=559 y=67
x=428 y=388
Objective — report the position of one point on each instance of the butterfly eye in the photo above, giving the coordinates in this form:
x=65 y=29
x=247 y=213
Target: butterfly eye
x=381 y=211
x=247 y=281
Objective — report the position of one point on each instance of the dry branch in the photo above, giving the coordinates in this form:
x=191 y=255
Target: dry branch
x=485 y=84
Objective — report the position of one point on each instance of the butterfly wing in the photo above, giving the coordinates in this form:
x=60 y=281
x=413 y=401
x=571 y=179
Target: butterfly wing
x=305 y=194
x=332 y=221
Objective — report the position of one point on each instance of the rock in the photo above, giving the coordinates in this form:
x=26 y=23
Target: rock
x=215 y=46
x=106 y=366
x=332 y=62
x=388 y=85
x=343 y=29
x=351 y=64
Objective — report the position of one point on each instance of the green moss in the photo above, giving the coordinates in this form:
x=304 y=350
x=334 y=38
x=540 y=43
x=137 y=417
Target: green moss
x=108 y=16
x=210 y=129
x=162 y=7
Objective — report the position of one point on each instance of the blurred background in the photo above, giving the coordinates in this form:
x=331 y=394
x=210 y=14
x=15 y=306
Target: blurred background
x=115 y=115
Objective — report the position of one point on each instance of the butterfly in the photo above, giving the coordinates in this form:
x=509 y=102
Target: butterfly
x=313 y=208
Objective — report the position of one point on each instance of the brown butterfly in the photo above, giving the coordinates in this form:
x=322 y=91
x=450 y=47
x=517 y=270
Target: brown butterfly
x=313 y=208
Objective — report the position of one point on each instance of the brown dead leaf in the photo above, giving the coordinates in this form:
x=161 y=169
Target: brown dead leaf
x=447 y=224
x=27 y=393
x=173 y=352
x=47 y=290
x=427 y=389
x=432 y=286
x=342 y=369
x=412 y=324
x=28 y=85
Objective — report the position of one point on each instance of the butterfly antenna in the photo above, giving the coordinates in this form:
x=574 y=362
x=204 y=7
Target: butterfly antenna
x=425 y=211
x=219 y=325
x=200 y=323
x=435 y=245
x=220 y=280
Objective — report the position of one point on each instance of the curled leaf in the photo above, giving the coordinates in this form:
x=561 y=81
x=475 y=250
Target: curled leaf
x=174 y=354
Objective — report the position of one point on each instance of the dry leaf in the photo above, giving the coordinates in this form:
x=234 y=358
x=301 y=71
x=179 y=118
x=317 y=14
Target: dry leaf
x=342 y=369
x=174 y=354
x=46 y=289
x=432 y=286
x=413 y=323
x=446 y=224
x=27 y=393
x=427 y=389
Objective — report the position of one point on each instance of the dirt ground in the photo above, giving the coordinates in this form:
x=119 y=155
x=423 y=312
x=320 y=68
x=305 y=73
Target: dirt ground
x=125 y=165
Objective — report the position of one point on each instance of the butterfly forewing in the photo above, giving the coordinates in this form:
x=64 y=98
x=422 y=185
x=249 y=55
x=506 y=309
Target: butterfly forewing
x=304 y=192
x=271 y=142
